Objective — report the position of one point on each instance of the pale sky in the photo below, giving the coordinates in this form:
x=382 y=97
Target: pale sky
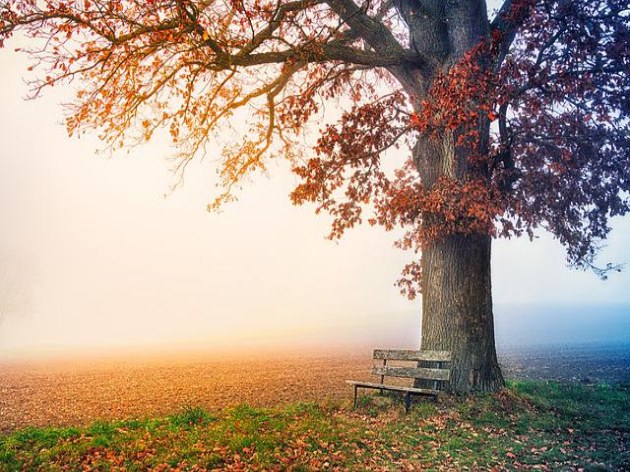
x=104 y=259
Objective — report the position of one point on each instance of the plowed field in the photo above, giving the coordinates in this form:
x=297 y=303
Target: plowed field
x=76 y=393
x=64 y=393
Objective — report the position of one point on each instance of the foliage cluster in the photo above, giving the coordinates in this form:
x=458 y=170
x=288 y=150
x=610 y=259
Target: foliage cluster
x=517 y=121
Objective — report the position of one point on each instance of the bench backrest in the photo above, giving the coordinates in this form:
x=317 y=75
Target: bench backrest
x=438 y=359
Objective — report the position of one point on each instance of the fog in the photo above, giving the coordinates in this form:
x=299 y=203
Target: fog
x=101 y=255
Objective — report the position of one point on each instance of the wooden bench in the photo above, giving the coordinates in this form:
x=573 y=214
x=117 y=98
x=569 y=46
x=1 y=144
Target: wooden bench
x=436 y=373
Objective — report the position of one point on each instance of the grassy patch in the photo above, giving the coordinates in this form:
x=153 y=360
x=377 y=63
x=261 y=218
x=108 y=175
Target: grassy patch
x=190 y=416
x=530 y=425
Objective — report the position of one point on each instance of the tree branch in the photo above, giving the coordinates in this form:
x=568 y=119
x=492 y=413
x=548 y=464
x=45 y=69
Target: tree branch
x=369 y=29
x=512 y=15
x=333 y=51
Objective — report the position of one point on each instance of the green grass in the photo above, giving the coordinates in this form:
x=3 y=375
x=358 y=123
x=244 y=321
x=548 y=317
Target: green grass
x=189 y=417
x=530 y=425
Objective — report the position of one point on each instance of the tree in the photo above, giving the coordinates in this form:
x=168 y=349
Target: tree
x=511 y=122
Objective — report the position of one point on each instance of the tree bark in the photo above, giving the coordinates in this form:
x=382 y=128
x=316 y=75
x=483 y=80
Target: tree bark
x=456 y=286
x=456 y=279
x=457 y=310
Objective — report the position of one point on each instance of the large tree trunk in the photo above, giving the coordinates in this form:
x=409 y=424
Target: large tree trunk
x=456 y=280
x=456 y=287
x=457 y=310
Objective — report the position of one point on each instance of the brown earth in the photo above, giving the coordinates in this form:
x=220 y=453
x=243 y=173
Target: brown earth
x=64 y=393
x=71 y=393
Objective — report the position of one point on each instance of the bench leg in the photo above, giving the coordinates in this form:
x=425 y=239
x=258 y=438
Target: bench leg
x=407 y=402
x=436 y=384
x=355 y=396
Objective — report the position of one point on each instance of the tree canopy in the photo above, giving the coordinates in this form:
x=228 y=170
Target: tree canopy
x=549 y=79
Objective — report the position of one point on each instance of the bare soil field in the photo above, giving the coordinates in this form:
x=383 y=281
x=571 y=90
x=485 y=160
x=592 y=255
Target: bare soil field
x=590 y=363
x=71 y=393
x=65 y=393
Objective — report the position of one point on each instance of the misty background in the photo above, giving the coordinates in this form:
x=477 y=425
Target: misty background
x=99 y=254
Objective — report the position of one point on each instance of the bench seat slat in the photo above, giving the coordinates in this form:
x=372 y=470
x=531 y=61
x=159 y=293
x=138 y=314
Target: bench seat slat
x=412 y=372
x=424 y=391
x=411 y=355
